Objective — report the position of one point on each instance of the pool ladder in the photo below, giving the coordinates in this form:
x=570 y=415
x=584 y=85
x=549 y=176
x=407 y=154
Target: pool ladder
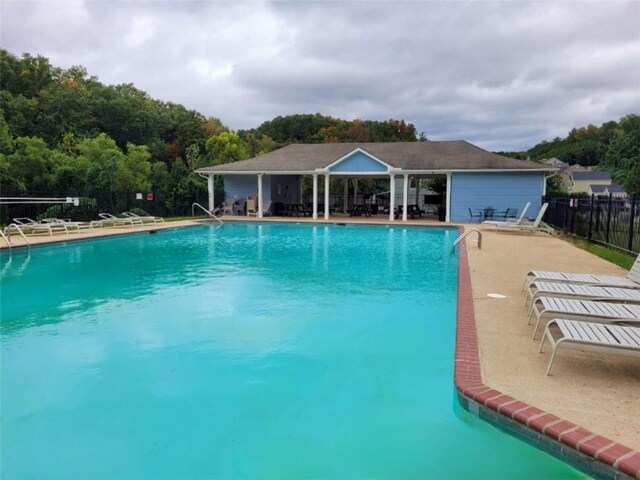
x=193 y=212
x=7 y=238
x=463 y=236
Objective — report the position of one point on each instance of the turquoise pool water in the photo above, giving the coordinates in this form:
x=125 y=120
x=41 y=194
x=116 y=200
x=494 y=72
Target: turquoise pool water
x=243 y=351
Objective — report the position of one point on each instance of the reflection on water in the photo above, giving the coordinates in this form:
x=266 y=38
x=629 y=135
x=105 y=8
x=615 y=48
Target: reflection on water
x=242 y=351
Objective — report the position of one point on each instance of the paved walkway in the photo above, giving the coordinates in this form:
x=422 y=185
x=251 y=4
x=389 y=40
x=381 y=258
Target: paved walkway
x=600 y=392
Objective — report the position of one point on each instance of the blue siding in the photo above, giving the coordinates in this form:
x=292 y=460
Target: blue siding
x=496 y=190
x=359 y=162
x=241 y=186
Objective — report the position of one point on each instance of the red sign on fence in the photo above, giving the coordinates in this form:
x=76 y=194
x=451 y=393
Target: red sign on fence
x=149 y=196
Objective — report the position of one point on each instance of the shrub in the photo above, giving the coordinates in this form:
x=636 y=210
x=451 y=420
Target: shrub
x=86 y=211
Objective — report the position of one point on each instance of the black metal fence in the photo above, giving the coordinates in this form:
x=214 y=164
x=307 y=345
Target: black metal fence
x=153 y=203
x=612 y=221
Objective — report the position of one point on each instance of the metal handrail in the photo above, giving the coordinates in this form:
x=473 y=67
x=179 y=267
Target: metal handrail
x=6 y=239
x=462 y=237
x=17 y=227
x=196 y=204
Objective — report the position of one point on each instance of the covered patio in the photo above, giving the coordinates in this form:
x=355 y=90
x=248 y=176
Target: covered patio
x=471 y=175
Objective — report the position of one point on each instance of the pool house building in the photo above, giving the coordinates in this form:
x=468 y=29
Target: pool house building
x=475 y=178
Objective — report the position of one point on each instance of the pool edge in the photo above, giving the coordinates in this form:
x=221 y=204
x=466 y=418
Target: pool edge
x=577 y=446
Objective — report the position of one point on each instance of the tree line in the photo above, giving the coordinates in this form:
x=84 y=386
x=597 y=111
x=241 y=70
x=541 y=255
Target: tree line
x=613 y=147
x=64 y=133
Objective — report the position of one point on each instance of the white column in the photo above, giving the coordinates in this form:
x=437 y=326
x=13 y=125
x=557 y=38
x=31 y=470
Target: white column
x=326 y=197
x=448 y=215
x=392 y=197
x=345 y=194
x=315 y=196
x=405 y=197
x=355 y=191
x=211 y=187
x=418 y=181
x=260 y=195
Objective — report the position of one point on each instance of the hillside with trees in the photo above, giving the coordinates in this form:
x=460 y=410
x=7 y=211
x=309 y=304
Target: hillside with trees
x=64 y=133
x=613 y=147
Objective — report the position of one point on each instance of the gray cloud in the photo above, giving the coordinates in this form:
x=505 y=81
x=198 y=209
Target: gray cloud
x=503 y=75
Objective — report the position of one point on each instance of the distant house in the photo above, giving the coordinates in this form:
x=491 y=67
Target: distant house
x=567 y=172
x=554 y=162
x=581 y=182
x=616 y=191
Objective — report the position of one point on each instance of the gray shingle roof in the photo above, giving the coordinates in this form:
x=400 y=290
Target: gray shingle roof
x=453 y=155
x=615 y=188
x=591 y=176
x=598 y=188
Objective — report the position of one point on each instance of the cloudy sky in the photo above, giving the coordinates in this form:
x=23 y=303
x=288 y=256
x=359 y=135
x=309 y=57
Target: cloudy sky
x=504 y=75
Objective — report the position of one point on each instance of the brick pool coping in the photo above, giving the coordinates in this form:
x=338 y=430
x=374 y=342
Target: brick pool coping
x=588 y=449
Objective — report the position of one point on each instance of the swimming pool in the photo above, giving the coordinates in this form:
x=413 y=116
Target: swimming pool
x=243 y=351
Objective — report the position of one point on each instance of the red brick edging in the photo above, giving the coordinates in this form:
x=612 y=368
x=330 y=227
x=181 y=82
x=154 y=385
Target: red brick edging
x=468 y=382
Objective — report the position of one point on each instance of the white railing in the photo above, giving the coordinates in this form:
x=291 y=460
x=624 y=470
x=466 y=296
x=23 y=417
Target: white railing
x=17 y=227
x=463 y=236
x=6 y=239
x=193 y=211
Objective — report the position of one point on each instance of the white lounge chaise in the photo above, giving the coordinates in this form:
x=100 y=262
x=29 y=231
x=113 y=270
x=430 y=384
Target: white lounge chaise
x=631 y=280
x=27 y=226
x=147 y=218
x=68 y=223
x=583 y=310
x=107 y=218
x=591 y=337
x=497 y=223
x=536 y=226
x=581 y=292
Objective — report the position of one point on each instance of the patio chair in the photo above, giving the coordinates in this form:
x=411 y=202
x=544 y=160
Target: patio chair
x=476 y=214
x=591 y=337
x=537 y=226
x=227 y=208
x=582 y=310
x=29 y=226
x=518 y=221
x=631 y=280
x=581 y=292
x=107 y=218
x=147 y=218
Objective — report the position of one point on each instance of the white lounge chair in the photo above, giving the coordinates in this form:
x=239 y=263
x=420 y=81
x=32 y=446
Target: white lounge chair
x=536 y=226
x=107 y=219
x=498 y=223
x=69 y=224
x=27 y=226
x=583 y=310
x=148 y=218
x=632 y=279
x=581 y=292
x=591 y=337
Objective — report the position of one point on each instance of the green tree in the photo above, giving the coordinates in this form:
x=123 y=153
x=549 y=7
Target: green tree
x=134 y=169
x=225 y=148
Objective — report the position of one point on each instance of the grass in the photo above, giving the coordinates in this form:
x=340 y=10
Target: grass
x=614 y=256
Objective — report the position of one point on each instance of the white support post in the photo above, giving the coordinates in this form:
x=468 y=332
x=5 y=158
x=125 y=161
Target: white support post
x=210 y=187
x=355 y=191
x=260 y=195
x=326 y=197
x=345 y=195
x=405 y=197
x=315 y=196
x=448 y=214
x=418 y=181
x=392 y=197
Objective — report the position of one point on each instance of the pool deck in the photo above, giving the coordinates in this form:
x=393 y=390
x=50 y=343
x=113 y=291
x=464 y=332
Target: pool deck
x=497 y=363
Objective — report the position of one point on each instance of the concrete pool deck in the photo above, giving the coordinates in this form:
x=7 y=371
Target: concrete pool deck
x=600 y=393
